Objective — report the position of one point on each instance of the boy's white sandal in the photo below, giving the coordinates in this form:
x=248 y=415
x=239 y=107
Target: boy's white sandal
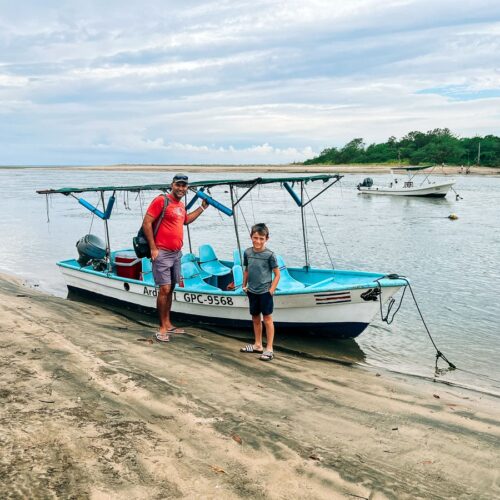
x=267 y=356
x=251 y=349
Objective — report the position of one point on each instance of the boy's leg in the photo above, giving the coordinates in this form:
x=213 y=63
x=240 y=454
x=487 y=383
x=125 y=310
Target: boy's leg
x=257 y=331
x=267 y=311
x=268 y=322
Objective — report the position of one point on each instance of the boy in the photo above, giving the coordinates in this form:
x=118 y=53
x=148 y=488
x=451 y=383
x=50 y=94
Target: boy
x=258 y=283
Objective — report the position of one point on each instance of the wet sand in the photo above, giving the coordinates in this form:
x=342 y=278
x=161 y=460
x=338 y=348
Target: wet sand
x=89 y=408
x=291 y=168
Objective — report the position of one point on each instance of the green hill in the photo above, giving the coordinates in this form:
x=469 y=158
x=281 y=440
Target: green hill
x=416 y=148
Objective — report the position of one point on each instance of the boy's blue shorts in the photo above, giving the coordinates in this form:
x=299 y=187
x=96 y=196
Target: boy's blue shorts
x=260 y=303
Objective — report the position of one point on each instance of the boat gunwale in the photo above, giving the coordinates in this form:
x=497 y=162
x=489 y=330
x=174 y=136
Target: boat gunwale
x=382 y=280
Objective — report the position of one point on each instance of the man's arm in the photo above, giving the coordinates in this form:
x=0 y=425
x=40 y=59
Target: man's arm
x=147 y=227
x=191 y=217
x=276 y=279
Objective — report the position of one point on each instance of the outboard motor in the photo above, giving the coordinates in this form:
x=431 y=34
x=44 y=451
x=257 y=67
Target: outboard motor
x=90 y=248
x=367 y=182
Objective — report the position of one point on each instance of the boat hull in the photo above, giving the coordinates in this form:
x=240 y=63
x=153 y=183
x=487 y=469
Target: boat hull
x=337 y=313
x=437 y=190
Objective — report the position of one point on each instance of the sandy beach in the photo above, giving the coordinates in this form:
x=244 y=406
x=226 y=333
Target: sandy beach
x=92 y=408
x=291 y=168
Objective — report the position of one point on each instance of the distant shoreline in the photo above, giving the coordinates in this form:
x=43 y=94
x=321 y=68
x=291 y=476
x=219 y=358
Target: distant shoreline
x=287 y=168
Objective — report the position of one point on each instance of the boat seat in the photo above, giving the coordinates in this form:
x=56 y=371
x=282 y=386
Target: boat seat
x=322 y=283
x=191 y=257
x=237 y=277
x=147 y=270
x=237 y=258
x=192 y=279
x=210 y=263
x=188 y=257
x=287 y=282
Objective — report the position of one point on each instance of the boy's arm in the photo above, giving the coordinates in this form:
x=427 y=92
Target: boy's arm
x=245 y=279
x=276 y=279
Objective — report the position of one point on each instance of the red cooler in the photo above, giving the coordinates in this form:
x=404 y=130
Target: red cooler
x=128 y=265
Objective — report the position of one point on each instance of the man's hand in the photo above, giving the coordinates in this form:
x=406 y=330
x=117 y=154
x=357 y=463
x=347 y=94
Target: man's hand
x=154 y=253
x=204 y=204
x=272 y=290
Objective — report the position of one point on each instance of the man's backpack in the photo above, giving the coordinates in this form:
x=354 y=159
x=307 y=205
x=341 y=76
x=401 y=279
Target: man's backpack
x=140 y=242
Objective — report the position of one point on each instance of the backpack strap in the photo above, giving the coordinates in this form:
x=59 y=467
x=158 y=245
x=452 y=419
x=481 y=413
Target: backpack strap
x=158 y=222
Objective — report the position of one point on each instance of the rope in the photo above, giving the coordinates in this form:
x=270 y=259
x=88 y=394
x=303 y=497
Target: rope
x=93 y=215
x=251 y=203
x=140 y=203
x=320 y=232
x=388 y=320
x=47 y=207
x=457 y=196
x=243 y=215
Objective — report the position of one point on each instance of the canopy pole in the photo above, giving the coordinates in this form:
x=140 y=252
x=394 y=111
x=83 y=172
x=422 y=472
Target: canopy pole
x=187 y=227
x=235 y=223
x=106 y=232
x=303 y=224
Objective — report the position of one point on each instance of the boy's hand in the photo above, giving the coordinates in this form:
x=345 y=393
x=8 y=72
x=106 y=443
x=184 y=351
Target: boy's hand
x=272 y=290
x=245 y=289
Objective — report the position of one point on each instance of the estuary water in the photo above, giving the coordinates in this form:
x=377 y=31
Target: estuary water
x=453 y=265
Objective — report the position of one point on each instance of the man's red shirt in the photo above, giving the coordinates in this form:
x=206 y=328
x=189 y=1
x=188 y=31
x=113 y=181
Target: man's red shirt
x=170 y=234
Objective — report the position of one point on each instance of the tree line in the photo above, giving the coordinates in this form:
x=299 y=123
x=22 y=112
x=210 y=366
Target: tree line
x=416 y=148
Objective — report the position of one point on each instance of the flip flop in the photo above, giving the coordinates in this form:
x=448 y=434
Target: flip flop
x=176 y=331
x=162 y=337
x=267 y=356
x=249 y=348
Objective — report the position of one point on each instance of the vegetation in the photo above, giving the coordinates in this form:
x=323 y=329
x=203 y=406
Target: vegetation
x=433 y=147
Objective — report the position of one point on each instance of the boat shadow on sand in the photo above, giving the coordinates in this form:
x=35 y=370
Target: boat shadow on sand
x=315 y=346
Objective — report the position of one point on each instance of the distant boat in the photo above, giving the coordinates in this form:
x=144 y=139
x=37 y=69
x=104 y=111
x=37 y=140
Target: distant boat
x=412 y=184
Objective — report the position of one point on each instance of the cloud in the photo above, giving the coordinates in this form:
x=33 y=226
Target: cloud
x=238 y=81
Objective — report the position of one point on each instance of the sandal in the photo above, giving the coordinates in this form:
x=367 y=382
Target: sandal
x=162 y=337
x=267 y=356
x=176 y=331
x=251 y=349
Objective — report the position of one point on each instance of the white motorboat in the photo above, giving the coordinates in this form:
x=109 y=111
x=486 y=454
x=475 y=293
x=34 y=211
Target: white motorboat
x=411 y=185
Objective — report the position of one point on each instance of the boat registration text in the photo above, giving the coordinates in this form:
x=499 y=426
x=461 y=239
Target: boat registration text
x=201 y=298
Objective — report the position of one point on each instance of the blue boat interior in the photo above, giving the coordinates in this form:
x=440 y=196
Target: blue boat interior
x=227 y=277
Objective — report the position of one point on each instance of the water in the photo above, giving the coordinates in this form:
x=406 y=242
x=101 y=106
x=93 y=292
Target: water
x=453 y=265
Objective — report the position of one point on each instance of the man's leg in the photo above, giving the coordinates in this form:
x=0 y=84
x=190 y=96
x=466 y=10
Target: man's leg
x=164 y=304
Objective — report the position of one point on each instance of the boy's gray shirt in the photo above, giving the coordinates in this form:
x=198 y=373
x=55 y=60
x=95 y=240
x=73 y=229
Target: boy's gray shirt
x=259 y=266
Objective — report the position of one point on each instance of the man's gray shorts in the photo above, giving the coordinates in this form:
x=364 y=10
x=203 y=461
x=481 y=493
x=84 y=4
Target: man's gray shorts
x=167 y=268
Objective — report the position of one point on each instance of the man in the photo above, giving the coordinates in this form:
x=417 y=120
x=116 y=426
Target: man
x=166 y=248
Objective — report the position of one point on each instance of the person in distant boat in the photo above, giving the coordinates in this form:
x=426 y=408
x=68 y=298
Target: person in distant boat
x=166 y=247
x=260 y=264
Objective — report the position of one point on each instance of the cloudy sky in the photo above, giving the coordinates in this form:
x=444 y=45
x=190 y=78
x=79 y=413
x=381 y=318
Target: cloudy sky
x=232 y=81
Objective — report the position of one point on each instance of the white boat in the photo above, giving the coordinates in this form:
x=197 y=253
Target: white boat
x=411 y=185
x=339 y=303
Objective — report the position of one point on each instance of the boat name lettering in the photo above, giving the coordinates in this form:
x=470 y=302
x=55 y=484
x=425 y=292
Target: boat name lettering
x=214 y=300
x=150 y=291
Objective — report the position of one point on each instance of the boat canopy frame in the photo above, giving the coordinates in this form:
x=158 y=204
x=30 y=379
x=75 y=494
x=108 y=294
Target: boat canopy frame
x=414 y=171
x=198 y=188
